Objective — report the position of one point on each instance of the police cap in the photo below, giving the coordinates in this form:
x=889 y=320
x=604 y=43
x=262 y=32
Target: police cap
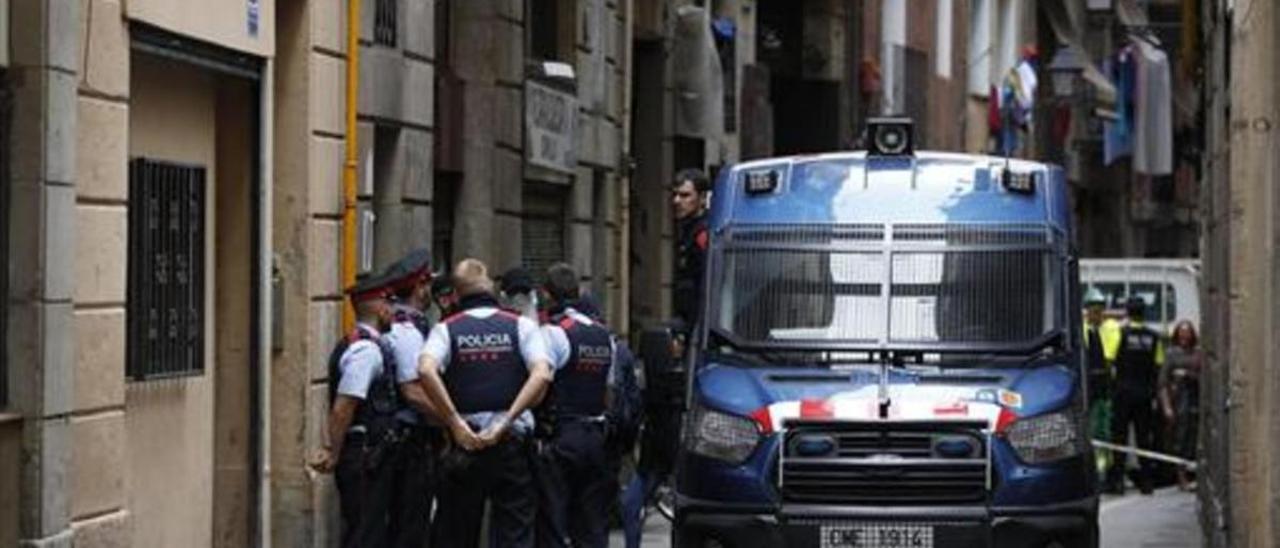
x=368 y=288
x=409 y=271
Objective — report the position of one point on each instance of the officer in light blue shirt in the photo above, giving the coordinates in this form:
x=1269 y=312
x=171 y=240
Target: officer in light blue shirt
x=409 y=280
x=575 y=478
x=363 y=431
x=484 y=368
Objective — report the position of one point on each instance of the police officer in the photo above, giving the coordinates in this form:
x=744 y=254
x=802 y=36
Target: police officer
x=689 y=201
x=573 y=473
x=1101 y=341
x=409 y=280
x=484 y=368
x=1140 y=354
x=362 y=428
x=518 y=293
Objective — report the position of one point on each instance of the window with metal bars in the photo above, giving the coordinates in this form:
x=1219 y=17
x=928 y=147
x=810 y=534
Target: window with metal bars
x=385 y=22
x=166 y=270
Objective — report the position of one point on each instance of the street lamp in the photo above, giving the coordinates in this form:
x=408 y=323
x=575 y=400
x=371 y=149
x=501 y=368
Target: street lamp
x=1066 y=71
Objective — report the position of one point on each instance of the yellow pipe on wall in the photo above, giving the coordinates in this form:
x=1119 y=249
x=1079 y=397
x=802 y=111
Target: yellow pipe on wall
x=349 y=167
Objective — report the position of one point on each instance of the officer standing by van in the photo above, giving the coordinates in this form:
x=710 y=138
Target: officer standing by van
x=1101 y=341
x=1140 y=355
x=363 y=441
x=689 y=201
x=485 y=368
x=409 y=280
x=574 y=473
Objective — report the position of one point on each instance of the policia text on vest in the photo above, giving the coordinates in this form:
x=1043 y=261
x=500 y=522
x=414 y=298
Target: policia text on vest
x=485 y=368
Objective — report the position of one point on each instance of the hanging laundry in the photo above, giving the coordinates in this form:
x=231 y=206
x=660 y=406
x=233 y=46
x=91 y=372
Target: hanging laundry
x=1118 y=134
x=1153 y=116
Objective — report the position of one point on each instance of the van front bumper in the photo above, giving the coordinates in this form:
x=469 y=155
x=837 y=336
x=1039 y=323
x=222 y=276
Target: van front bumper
x=704 y=523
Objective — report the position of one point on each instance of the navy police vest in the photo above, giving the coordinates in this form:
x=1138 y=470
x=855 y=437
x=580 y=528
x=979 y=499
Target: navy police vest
x=581 y=385
x=382 y=402
x=1136 y=361
x=486 y=370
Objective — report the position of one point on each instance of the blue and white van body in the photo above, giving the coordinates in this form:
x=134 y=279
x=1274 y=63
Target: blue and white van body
x=888 y=356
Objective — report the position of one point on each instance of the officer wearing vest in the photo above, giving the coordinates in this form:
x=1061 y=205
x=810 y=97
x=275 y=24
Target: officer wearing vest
x=574 y=476
x=689 y=202
x=409 y=280
x=1101 y=342
x=363 y=431
x=1140 y=354
x=485 y=368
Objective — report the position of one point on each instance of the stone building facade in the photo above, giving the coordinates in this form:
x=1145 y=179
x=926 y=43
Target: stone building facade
x=173 y=215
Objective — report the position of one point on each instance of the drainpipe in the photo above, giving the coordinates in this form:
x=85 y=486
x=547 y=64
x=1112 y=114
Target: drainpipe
x=627 y=172
x=262 y=423
x=349 y=168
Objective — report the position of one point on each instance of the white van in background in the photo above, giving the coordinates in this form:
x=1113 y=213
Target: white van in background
x=1171 y=287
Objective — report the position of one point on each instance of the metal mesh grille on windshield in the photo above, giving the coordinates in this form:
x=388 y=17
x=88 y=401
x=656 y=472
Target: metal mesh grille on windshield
x=869 y=283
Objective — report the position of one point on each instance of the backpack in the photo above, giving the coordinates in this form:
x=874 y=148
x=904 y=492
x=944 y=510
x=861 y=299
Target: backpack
x=626 y=411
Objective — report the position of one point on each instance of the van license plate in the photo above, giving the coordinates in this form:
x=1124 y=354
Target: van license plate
x=877 y=536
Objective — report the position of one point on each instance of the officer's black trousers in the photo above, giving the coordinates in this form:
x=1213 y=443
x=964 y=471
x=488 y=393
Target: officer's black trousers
x=1131 y=406
x=575 y=484
x=366 y=479
x=499 y=474
x=414 y=488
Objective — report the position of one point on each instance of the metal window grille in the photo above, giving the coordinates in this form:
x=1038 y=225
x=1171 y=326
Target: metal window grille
x=166 y=270
x=385 y=21
x=543 y=230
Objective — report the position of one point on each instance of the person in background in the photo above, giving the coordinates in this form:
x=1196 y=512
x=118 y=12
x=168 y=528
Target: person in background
x=689 y=192
x=1101 y=342
x=1180 y=394
x=444 y=295
x=518 y=293
x=1137 y=363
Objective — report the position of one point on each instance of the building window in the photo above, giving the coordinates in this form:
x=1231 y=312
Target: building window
x=166 y=270
x=385 y=22
x=551 y=30
x=600 y=238
x=543 y=227
x=444 y=202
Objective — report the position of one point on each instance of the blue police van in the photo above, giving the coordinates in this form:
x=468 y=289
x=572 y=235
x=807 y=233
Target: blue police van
x=888 y=356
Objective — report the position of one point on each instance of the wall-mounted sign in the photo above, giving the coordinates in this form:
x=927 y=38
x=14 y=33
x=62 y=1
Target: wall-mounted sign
x=253 y=11
x=551 y=126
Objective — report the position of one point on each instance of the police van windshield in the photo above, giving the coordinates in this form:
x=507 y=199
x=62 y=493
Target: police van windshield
x=942 y=287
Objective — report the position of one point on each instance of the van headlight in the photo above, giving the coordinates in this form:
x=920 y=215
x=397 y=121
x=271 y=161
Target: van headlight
x=1046 y=438
x=721 y=436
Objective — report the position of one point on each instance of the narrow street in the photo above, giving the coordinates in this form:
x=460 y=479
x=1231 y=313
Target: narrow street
x=1165 y=520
